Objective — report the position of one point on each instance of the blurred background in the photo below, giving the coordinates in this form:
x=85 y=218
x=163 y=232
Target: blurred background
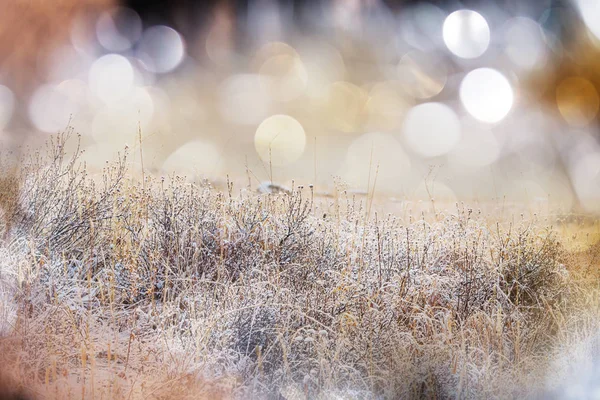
x=481 y=100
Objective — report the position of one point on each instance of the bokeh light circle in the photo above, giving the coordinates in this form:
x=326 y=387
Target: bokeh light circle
x=111 y=77
x=324 y=65
x=386 y=106
x=344 y=106
x=486 y=94
x=285 y=76
x=161 y=49
x=525 y=44
x=423 y=75
x=50 y=108
x=577 y=100
x=271 y=49
x=7 y=106
x=466 y=33
x=280 y=140
x=431 y=129
x=118 y=29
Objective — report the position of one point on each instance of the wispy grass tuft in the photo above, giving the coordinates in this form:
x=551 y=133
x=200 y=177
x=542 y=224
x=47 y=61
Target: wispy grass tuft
x=164 y=289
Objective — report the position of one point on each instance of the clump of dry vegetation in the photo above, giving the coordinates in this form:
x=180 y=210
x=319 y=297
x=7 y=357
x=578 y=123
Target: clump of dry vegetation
x=157 y=288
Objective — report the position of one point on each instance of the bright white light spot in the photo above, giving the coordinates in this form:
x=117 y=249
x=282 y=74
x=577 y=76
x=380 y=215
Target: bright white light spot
x=118 y=29
x=161 y=49
x=7 y=106
x=193 y=159
x=431 y=129
x=486 y=94
x=244 y=100
x=280 y=140
x=525 y=43
x=477 y=148
x=51 y=108
x=466 y=33
x=111 y=77
x=590 y=12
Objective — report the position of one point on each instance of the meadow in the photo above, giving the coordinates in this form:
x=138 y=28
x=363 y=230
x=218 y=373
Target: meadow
x=115 y=285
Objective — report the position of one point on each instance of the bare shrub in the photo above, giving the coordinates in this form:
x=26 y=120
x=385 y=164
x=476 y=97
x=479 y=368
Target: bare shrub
x=264 y=292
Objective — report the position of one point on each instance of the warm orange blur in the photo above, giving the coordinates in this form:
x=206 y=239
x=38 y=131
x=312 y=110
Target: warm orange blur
x=30 y=30
x=570 y=84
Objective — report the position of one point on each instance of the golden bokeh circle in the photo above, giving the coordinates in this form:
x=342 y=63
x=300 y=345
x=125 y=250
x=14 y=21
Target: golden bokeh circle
x=344 y=107
x=577 y=100
x=280 y=140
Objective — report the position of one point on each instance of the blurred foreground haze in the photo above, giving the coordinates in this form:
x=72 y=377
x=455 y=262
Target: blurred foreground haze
x=443 y=99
